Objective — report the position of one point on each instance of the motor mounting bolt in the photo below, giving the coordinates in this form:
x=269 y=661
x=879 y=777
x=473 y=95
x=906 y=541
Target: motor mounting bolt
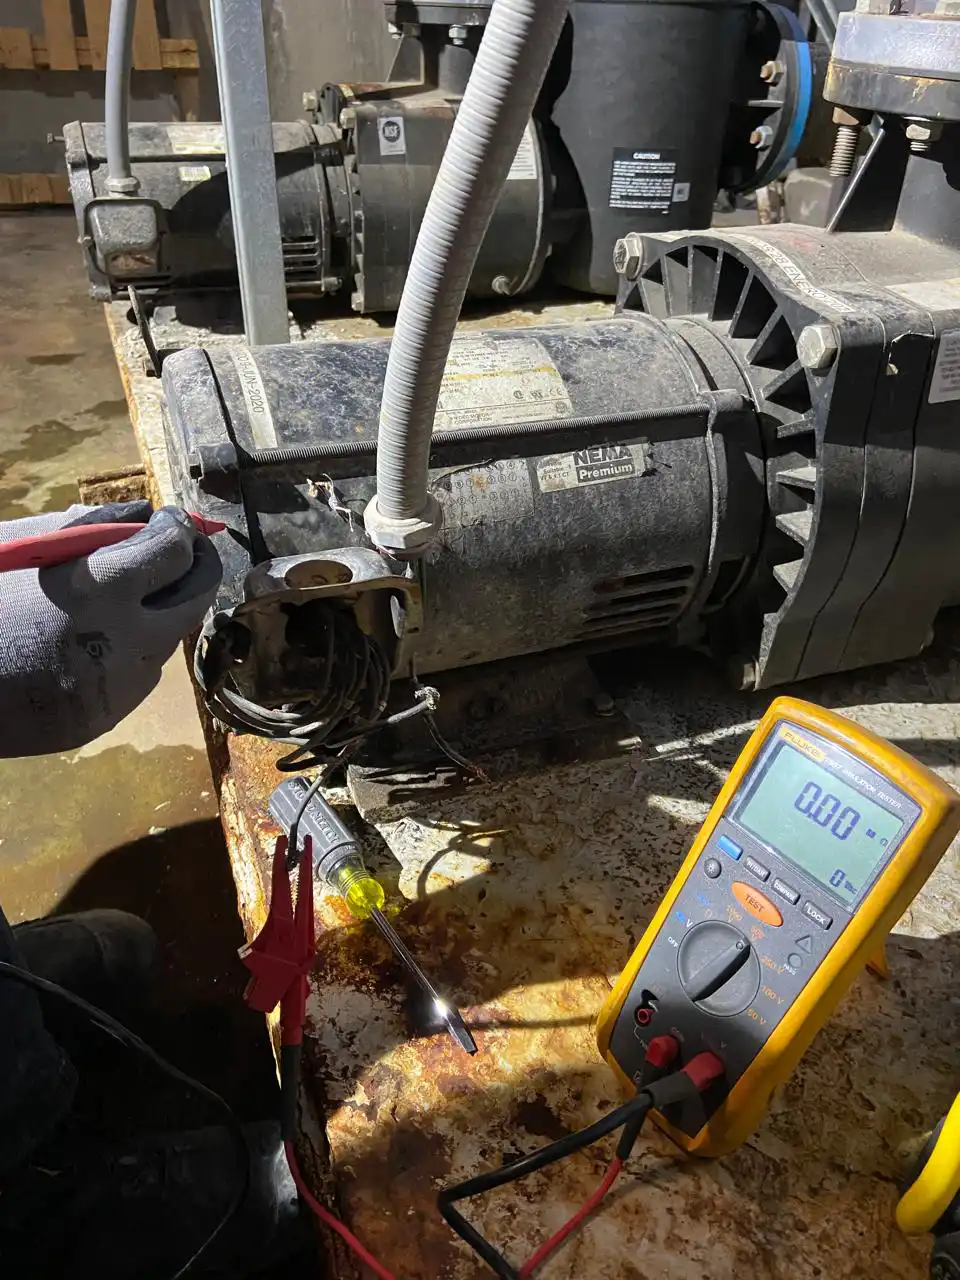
x=817 y=346
x=458 y=35
x=922 y=134
x=772 y=72
x=603 y=704
x=628 y=255
x=761 y=137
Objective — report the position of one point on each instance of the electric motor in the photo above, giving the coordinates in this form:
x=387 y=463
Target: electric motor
x=351 y=198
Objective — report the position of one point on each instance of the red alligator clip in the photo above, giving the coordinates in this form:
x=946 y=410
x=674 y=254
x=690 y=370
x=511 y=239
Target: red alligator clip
x=281 y=955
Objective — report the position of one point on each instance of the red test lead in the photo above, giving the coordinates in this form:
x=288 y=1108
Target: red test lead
x=44 y=550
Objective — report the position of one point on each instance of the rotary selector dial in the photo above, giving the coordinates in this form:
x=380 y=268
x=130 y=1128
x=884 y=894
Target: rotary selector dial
x=718 y=967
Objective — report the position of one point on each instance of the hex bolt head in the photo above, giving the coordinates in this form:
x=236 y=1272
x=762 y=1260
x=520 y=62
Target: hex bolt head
x=628 y=255
x=310 y=100
x=922 y=134
x=603 y=705
x=772 y=72
x=458 y=35
x=817 y=346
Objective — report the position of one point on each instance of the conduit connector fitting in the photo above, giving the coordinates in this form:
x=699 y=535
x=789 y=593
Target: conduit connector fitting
x=128 y=186
x=405 y=538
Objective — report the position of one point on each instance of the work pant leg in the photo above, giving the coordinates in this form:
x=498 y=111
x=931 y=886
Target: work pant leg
x=36 y=1079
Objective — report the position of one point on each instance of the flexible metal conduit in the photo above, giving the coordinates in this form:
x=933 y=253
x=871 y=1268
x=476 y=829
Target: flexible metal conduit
x=120 y=179
x=514 y=54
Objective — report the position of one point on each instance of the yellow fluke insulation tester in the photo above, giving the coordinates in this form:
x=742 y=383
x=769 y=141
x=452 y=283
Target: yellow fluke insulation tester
x=819 y=840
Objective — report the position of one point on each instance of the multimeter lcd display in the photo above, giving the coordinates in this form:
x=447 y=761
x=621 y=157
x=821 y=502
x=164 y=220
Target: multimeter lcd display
x=834 y=833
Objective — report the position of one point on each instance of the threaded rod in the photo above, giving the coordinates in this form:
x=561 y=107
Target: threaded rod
x=844 y=150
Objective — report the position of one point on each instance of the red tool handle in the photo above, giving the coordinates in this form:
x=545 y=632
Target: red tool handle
x=46 y=549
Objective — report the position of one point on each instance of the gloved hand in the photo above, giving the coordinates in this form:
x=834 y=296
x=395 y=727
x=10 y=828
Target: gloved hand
x=82 y=643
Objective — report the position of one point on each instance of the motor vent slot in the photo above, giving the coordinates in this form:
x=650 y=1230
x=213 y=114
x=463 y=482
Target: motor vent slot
x=637 y=601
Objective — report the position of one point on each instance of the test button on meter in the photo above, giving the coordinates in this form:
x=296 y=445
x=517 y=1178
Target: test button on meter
x=757 y=904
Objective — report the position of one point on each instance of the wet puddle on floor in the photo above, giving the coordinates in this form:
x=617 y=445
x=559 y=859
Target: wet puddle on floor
x=61 y=816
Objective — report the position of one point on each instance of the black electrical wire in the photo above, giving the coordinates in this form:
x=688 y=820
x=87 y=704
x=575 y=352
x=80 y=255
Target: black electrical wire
x=427 y=698
x=130 y=1040
x=349 y=699
x=631 y=1114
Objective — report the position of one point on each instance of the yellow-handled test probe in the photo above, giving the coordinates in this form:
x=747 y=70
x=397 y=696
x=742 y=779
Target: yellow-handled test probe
x=338 y=864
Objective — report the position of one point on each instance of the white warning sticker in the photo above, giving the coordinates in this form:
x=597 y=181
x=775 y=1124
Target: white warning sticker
x=498 y=491
x=194 y=172
x=392 y=135
x=945 y=383
x=524 y=165
x=599 y=464
x=642 y=180
x=196 y=139
x=513 y=380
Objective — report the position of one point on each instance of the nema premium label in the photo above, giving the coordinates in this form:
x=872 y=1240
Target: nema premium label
x=599 y=464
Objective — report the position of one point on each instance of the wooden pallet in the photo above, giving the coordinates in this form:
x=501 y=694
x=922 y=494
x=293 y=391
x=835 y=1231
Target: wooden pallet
x=59 y=47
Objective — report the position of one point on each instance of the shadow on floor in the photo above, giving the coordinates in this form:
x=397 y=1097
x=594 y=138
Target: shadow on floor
x=180 y=882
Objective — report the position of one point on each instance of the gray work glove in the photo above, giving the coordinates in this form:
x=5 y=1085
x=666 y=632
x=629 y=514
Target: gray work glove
x=82 y=643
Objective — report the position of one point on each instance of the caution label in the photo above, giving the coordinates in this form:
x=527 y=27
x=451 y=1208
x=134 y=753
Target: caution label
x=599 y=464
x=643 y=180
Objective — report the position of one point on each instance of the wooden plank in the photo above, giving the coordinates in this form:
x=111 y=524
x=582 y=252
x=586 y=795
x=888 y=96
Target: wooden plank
x=97 y=13
x=36 y=189
x=61 y=39
x=16 y=51
x=146 y=38
x=18 y=189
x=186 y=86
x=175 y=55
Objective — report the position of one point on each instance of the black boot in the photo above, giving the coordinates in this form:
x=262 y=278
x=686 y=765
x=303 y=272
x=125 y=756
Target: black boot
x=140 y=1213
x=108 y=957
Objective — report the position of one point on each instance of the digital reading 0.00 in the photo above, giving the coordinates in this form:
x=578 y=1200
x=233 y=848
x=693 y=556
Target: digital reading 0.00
x=809 y=815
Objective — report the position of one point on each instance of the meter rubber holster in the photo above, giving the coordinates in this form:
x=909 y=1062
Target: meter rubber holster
x=930 y=1200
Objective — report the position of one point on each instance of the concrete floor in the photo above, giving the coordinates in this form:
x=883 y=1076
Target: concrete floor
x=131 y=820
